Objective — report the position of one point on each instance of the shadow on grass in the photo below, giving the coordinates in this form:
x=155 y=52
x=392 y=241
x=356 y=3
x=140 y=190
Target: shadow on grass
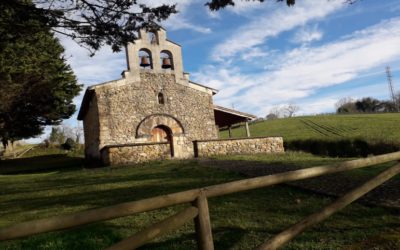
x=96 y=198
x=100 y=187
x=224 y=238
x=96 y=236
x=39 y=164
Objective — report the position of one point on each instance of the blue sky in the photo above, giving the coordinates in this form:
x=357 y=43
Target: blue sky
x=263 y=55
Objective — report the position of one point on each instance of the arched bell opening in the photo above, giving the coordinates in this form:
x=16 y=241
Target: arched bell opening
x=145 y=60
x=162 y=133
x=166 y=59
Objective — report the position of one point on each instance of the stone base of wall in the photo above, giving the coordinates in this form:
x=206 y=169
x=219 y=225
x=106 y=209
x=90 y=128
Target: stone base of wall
x=254 y=145
x=144 y=152
x=135 y=153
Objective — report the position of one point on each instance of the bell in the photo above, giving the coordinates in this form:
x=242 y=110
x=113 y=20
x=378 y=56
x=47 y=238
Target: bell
x=166 y=63
x=144 y=61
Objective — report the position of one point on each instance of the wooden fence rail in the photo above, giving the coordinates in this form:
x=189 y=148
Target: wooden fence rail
x=327 y=211
x=158 y=229
x=198 y=198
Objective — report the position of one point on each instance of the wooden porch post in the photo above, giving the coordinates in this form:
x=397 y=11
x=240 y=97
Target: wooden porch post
x=247 y=129
x=230 y=131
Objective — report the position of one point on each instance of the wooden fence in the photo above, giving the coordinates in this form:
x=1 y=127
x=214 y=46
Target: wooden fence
x=198 y=210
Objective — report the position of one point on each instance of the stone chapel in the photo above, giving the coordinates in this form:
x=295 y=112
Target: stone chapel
x=154 y=111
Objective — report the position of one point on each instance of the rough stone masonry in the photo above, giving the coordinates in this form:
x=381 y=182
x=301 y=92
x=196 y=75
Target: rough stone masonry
x=155 y=112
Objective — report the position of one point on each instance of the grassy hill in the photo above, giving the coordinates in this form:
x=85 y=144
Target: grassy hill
x=369 y=126
x=371 y=130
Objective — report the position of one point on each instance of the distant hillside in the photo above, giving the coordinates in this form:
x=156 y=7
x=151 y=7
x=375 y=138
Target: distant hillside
x=370 y=128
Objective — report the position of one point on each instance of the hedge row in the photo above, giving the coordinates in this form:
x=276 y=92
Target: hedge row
x=344 y=147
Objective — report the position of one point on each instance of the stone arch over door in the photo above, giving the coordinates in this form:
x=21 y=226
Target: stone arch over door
x=163 y=128
x=148 y=123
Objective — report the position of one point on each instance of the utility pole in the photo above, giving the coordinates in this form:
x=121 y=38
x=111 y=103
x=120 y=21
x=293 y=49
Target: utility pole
x=391 y=89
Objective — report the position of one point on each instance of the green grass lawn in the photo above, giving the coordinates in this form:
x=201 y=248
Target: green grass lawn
x=240 y=221
x=371 y=127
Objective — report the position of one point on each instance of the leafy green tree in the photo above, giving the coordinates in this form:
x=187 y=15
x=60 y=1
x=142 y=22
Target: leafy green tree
x=368 y=104
x=36 y=84
x=364 y=105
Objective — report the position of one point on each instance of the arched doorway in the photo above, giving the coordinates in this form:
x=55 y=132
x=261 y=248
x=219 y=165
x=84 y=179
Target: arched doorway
x=162 y=133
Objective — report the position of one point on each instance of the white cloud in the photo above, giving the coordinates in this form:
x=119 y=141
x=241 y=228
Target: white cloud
x=301 y=72
x=274 y=22
x=307 y=35
x=254 y=53
x=103 y=66
x=245 y=7
x=179 y=22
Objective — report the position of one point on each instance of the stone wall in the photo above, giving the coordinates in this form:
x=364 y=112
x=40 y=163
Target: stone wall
x=92 y=131
x=135 y=153
x=255 y=145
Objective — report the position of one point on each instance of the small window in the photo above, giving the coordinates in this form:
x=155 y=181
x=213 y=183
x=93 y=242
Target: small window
x=152 y=37
x=160 y=98
x=145 y=60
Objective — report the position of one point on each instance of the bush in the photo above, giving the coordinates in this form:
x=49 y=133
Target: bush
x=343 y=148
x=69 y=144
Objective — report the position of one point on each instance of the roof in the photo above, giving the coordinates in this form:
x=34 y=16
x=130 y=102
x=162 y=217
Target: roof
x=227 y=117
x=85 y=103
x=215 y=91
x=173 y=42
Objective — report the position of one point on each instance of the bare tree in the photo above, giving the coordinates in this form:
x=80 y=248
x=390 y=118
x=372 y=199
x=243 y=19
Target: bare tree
x=290 y=110
x=68 y=131
x=271 y=116
x=78 y=131
x=60 y=133
x=346 y=105
x=274 y=113
x=343 y=102
x=397 y=100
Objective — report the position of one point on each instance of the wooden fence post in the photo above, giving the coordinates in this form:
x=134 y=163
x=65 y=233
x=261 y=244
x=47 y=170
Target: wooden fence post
x=203 y=224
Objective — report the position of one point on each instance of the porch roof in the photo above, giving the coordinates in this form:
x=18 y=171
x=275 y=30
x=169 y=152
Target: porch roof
x=227 y=117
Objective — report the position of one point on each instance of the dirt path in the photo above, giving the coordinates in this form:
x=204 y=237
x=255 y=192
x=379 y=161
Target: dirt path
x=387 y=195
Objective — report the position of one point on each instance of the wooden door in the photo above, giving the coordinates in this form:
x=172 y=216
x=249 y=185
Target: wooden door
x=162 y=134
x=159 y=135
